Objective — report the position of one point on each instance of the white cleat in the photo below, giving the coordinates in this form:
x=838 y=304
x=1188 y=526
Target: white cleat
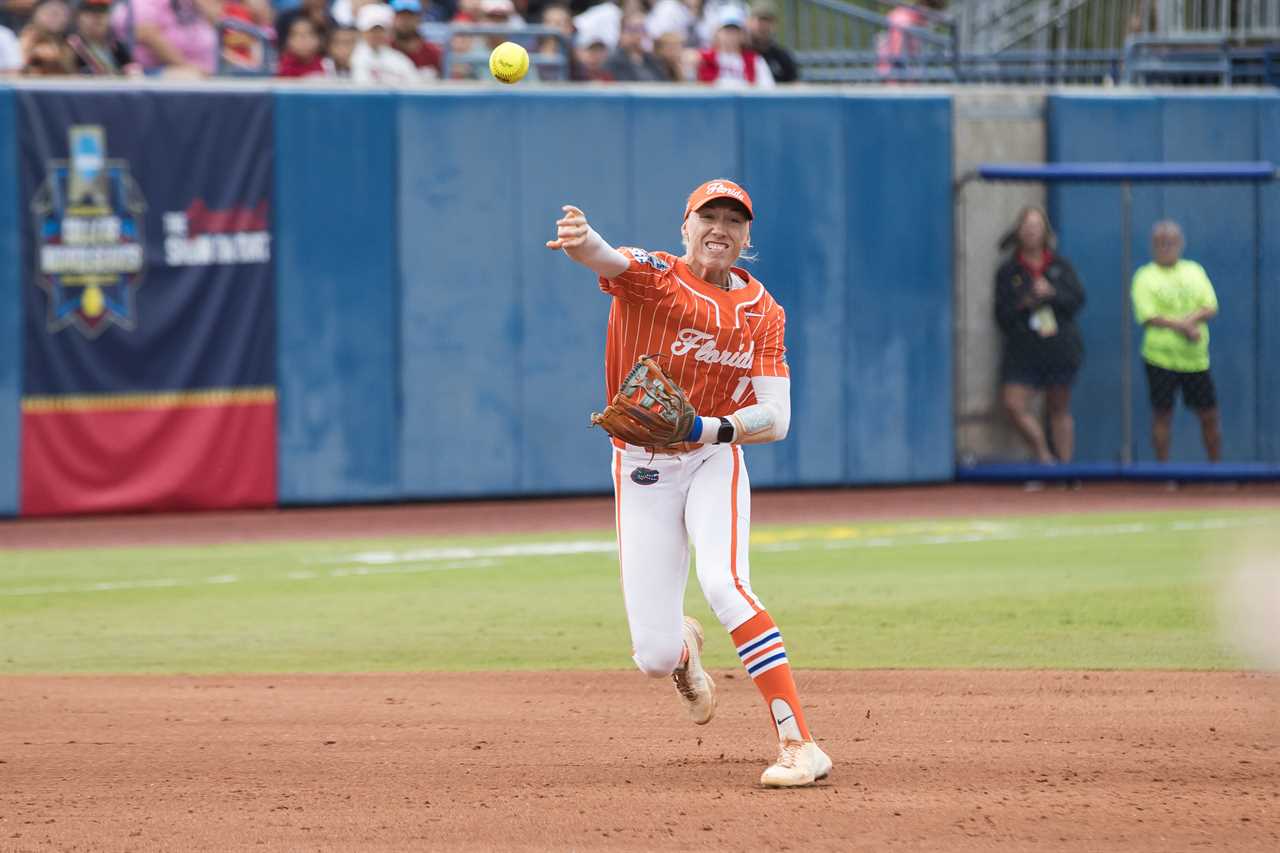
x=800 y=762
x=694 y=684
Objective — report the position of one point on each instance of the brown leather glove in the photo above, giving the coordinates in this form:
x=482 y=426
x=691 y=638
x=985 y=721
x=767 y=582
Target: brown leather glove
x=649 y=410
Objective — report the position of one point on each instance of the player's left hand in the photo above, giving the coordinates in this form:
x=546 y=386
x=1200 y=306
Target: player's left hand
x=571 y=229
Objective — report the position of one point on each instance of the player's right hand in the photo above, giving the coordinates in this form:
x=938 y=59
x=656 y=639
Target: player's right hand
x=571 y=229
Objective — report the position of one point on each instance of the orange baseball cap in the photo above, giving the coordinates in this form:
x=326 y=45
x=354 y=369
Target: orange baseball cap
x=718 y=188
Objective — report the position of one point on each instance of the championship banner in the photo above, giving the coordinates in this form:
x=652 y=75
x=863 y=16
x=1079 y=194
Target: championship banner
x=148 y=290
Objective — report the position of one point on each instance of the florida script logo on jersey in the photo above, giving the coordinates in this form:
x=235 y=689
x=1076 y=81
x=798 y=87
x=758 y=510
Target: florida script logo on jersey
x=703 y=347
x=89 y=247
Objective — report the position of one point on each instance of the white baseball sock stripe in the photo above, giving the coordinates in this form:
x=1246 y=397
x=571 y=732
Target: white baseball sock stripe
x=767 y=664
x=762 y=652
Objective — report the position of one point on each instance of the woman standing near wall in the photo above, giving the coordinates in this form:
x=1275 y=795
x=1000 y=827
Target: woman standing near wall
x=1037 y=297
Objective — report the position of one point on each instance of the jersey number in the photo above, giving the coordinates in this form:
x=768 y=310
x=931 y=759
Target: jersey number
x=741 y=390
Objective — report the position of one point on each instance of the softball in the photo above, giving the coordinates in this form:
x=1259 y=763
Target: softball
x=509 y=62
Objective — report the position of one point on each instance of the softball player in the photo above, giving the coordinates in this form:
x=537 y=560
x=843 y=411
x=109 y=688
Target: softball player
x=719 y=334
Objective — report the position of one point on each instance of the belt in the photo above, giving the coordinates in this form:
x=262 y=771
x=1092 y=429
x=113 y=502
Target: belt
x=673 y=450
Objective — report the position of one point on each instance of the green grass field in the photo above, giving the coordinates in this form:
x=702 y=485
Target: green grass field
x=1115 y=591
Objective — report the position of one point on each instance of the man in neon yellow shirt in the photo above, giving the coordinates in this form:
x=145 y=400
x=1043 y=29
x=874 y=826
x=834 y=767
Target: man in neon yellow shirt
x=1173 y=299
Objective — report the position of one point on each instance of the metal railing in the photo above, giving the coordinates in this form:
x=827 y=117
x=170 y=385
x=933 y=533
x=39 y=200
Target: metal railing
x=993 y=26
x=822 y=25
x=1047 y=42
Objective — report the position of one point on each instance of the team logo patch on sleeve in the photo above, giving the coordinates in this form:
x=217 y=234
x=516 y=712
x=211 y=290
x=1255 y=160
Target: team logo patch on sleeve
x=644 y=257
x=644 y=476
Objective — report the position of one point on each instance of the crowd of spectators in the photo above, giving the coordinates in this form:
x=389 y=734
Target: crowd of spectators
x=723 y=43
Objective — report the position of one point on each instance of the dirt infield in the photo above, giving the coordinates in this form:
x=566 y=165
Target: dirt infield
x=596 y=513
x=606 y=761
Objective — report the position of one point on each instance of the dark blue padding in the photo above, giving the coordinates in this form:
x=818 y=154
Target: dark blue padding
x=1102 y=172
x=1268 y=356
x=337 y=297
x=11 y=286
x=898 y=374
x=1103 y=471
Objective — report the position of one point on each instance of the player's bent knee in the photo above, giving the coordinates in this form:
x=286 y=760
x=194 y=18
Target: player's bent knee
x=658 y=662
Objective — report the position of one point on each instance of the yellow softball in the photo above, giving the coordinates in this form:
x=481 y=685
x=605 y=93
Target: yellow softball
x=509 y=62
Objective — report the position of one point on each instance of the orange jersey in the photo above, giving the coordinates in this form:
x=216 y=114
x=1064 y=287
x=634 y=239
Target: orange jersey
x=710 y=340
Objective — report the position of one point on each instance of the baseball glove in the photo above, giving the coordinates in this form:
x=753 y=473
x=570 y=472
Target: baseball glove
x=649 y=410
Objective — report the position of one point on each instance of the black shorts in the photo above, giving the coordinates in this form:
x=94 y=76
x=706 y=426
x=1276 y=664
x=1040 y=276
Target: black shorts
x=1197 y=388
x=1041 y=375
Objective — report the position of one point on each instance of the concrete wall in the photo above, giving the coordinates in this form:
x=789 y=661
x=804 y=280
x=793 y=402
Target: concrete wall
x=988 y=127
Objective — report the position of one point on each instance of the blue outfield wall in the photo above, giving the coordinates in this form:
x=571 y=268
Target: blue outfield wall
x=1226 y=227
x=430 y=346
x=337 y=297
x=502 y=340
x=10 y=308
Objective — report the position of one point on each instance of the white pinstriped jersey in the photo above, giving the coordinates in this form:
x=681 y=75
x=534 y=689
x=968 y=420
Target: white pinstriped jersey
x=711 y=340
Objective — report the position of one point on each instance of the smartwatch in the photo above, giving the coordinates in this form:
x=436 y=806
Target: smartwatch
x=725 y=434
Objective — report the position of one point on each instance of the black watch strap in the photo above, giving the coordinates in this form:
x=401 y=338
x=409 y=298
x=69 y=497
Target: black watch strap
x=724 y=435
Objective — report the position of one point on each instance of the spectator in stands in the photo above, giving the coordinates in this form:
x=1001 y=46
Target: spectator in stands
x=374 y=60
x=468 y=12
x=675 y=16
x=729 y=63
x=897 y=45
x=632 y=62
x=342 y=43
x=1037 y=297
x=317 y=11
x=50 y=16
x=761 y=25
x=601 y=22
x=1173 y=300
x=591 y=53
x=176 y=37
x=556 y=15
x=500 y=13
x=426 y=57
x=97 y=50
x=669 y=50
x=10 y=52
x=48 y=55
x=303 y=54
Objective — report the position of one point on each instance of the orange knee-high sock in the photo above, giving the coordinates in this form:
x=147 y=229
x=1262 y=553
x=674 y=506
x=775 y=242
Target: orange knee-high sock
x=759 y=644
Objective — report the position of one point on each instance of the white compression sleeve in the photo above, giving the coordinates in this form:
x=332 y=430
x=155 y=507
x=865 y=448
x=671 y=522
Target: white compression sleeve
x=764 y=421
x=597 y=255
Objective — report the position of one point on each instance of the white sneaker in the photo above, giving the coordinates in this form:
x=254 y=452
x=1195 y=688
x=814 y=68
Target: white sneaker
x=693 y=683
x=800 y=762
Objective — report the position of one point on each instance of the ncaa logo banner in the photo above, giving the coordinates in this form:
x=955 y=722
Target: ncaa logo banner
x=148 y=300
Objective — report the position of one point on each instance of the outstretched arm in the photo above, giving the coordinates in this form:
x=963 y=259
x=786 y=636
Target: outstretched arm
x=582 y=244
